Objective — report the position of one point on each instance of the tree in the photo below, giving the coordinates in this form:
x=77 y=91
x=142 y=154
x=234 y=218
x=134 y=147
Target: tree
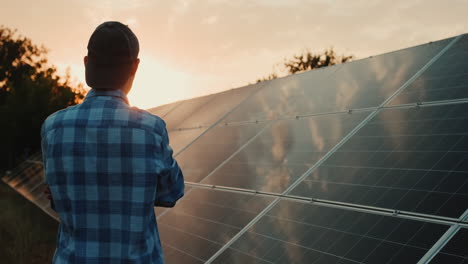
x=309 y=61
x=30 y=90
x=269 y=77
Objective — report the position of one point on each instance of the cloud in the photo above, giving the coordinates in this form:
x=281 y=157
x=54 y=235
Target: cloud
x=282 y=3
x=98 y=13
x=131 y=22
x=210 y=20
x=117 y=4
x=180 y=8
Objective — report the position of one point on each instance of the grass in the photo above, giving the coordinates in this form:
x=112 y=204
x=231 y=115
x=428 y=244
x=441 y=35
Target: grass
x=27 y=234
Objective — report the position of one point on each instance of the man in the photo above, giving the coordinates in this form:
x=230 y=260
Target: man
x=108 y=164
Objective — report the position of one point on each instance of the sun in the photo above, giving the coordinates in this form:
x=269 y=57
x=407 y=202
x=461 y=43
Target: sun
x=156 y=84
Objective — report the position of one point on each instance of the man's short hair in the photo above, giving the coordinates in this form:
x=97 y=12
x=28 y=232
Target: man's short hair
x=112 y=48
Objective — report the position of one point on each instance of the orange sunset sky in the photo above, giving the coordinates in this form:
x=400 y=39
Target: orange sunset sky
x=191 y=48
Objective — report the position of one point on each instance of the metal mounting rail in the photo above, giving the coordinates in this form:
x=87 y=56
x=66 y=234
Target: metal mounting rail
x=348 y=111
x=443 y=240
x=336 y=204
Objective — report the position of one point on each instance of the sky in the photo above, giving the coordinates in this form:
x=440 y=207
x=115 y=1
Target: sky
x=191 y=48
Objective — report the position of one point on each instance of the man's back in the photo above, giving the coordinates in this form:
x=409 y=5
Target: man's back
x=107 y=165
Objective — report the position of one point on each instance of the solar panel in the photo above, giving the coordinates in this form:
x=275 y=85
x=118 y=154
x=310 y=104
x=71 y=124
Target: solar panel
x=411 y=159
x=206 y=110
x=176 y=117
x=28 y=180
x=204 y=221
x=295 y=232
x=163 y=110
x=445 y=80
x=455 y=251
x=283 y=152
x=190 y=118
x=358 y=84
x=318 y=167
x=279 y=96
x=213 y=148
x=178 y=139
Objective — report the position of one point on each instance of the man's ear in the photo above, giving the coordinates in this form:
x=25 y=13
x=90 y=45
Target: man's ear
x=135 y=66
x=85 y=60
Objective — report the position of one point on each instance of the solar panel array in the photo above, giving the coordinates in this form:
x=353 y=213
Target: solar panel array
x=363 y=162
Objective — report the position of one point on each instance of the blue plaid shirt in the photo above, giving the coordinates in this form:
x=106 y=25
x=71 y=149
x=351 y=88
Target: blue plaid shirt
x=107 y=165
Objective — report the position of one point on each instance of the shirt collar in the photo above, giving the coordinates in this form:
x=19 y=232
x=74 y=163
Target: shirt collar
x=115 y=93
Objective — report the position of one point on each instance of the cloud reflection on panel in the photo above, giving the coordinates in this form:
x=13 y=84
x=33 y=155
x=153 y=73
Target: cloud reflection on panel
x=410 y=159
x=283 y=152
x=358 y=84
x=446 y=79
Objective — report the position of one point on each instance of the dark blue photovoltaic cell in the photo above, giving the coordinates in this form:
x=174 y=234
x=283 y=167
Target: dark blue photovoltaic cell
x=221 y=104
x=180 y=139
x=189 y=119
x=213 y=148
x=446 y=79
x=206 y=110
x=358 y=84
x=405 y=159
x=455 y=251
x=294 y=232
x=284 y=151
x=203 y=221
x=187 y=108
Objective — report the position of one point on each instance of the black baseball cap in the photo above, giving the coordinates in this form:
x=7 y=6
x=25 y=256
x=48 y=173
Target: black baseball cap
x=111 y=50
